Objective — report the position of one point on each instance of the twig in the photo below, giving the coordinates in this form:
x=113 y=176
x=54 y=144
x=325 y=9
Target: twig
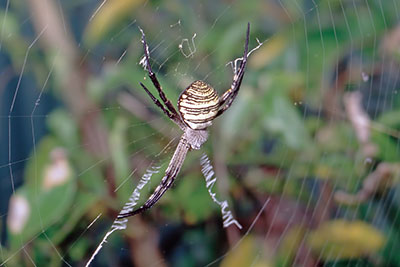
x=381 y=178
x=360 y=121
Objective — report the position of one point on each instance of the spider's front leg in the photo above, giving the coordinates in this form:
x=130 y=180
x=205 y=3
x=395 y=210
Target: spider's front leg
x=172 y=116
x=230 y=95
x=153 y=76
x=168 y=109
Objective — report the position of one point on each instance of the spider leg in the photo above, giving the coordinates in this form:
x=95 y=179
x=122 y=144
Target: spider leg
x=154 y=79
x=167 y=181
x=230 y=95
x=158 y=103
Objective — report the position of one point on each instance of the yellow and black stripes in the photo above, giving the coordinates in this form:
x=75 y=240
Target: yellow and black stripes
x=198 y=105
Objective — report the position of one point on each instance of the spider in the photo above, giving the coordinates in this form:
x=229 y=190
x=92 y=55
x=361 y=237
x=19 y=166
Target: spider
x=198 y=105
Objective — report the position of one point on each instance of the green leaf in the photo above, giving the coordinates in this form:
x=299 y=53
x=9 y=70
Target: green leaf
x=388 y=149
x=120 y=157
x=191 y=194
x=390 y=119
x=83 y=203
x=63 y=126
x=283 y=119
x=46 y=195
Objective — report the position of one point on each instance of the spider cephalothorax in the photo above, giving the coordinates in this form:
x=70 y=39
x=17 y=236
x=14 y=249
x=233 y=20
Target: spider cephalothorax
x=198 y=106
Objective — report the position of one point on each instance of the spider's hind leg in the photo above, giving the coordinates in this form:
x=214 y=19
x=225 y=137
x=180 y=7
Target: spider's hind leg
x=168 y=179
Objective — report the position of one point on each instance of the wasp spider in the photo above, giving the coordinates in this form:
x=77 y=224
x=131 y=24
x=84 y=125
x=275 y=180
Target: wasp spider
x=198 y=105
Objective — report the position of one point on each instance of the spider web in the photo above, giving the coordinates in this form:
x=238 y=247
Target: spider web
x=306 y=158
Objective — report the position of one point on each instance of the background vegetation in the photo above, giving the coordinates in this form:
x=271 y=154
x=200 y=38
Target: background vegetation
x=308 y=155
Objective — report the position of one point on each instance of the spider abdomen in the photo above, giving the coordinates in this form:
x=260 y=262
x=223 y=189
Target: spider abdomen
x=198 y=105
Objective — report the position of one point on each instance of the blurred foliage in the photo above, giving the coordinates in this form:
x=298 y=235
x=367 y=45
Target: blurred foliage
x=245 y=254
x=287 y=139
x=106 y=16
x=340 y=239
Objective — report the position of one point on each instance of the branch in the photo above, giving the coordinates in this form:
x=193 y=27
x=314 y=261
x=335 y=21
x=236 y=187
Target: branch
x=378 y=180
x=360 y=121
x=70 y=73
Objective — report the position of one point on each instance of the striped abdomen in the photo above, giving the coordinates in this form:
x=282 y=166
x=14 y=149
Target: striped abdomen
x=198 y=105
